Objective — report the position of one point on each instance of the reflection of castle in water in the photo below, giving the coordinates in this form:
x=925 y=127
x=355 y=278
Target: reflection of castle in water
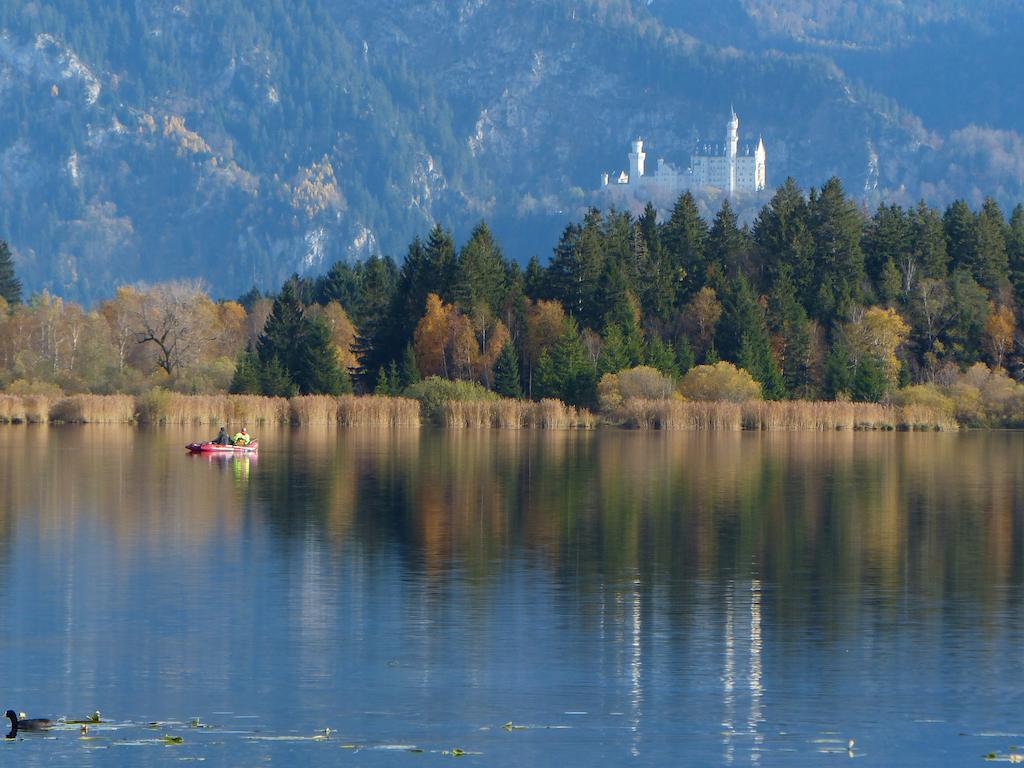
x=727 y=167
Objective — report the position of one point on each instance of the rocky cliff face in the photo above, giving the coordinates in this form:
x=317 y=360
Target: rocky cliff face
x=146 y=139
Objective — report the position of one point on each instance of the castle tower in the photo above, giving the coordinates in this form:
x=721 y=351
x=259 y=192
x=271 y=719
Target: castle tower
x=732 y=139
x=760 y=178
x=636 y=161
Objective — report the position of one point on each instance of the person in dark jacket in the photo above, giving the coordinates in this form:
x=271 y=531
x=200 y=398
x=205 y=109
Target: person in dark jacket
x=222 y=438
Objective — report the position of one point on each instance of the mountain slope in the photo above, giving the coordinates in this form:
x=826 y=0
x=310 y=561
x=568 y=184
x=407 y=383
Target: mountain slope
x=242 y=141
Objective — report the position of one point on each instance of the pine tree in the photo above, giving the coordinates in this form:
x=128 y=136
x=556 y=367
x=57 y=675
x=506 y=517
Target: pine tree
x=10 y=285
x=887 y=238
x=442 y=263
x=838 y=376
x=567 y=372
x=929 y=242
x=727 y=247
x=961 y=227
x=838 y=260
x=788 y=323
x=481 y=272
x=394 y=378
x=534 y=282
x=614 y=355
x=318 y=371
x=274 y=379
x=743 y=339
x=783 y=239
x=991 y=267
x=506 y=373
x=661 y=356
x=685 y=237
x=575 y=270
x=1015 y=251
x=283 y=331
x=383 y=386
x=409 y=372
x=870 y=381
x=684 y=356
x=246 y=380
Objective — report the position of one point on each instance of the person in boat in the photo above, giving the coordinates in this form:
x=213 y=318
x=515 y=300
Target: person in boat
x=222 y=437
x=241 y=438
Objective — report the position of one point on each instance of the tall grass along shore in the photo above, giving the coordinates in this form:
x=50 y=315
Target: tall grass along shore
x=162 y=407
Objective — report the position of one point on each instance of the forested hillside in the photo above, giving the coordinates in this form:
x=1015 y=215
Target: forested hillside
x=239 y=142
x=817 y=300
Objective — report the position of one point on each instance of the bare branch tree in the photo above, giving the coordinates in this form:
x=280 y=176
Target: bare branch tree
x=176 y=318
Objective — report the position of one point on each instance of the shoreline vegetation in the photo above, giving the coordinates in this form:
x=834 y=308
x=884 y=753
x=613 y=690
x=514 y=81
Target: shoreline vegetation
x=163 y=407
x=816 y=316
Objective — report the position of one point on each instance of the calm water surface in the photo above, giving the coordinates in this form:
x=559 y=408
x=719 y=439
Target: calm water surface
x=620 y=598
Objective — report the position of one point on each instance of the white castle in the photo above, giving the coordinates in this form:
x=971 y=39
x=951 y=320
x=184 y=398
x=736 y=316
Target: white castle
x=723 y=166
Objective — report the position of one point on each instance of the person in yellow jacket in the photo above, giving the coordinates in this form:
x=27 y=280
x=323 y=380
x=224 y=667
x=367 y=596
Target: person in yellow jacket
x=241 y=438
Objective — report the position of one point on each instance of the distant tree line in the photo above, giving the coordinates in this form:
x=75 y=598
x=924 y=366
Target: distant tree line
x=817 y=298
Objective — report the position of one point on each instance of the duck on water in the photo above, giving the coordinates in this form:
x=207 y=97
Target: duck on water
x=31 y=724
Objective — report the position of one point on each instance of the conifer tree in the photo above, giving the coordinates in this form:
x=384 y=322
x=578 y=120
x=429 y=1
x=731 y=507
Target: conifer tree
x=246 y=379
x=383 y=386
x=576 y=268
x=1015 y=251
x=961 y=228
x=318 y=371
x=838 y=260
x=481 y=272
x=10 y=285
x=870 y=380
x=442 y=263
x=685 y=237
x=991 y=267
x=614 y=355
x=275 y=380
x=743 y=339
x=684 y=356
x=408 y=372
x=507 y=381
x=838 y=375
x=887 y=238
x=283 y=331
x=789 y=324
x=394 y=378
x=534 y=282
x=727 y=248
x=782 y=237
x=660 y=356
x=929 y=244
x=567 y=372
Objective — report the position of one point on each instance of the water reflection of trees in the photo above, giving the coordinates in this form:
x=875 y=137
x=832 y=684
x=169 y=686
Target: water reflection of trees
x=935 y=514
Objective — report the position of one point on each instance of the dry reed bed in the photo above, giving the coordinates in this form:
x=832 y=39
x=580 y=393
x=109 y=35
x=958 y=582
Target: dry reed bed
x=24 y=408
x=210 y=410
x=162 y=407
x=826 y=416
x=695 y=415
x=515 y=414
x=94 y=409
x=681 y=415
x=374 y=410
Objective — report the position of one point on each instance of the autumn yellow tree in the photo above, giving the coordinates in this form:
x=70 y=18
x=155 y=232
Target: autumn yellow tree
x=877 y=332
x=431 y=336
x=343 y=331
x=700 y=317
x=999 y=331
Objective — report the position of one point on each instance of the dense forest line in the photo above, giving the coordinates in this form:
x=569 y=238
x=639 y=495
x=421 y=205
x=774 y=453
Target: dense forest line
x=818 y=299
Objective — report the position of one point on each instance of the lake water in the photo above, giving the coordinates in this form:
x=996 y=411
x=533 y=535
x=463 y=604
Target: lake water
x=619 y=598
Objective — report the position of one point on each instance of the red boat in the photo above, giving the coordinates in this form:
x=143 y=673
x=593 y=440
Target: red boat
x=227 y=450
